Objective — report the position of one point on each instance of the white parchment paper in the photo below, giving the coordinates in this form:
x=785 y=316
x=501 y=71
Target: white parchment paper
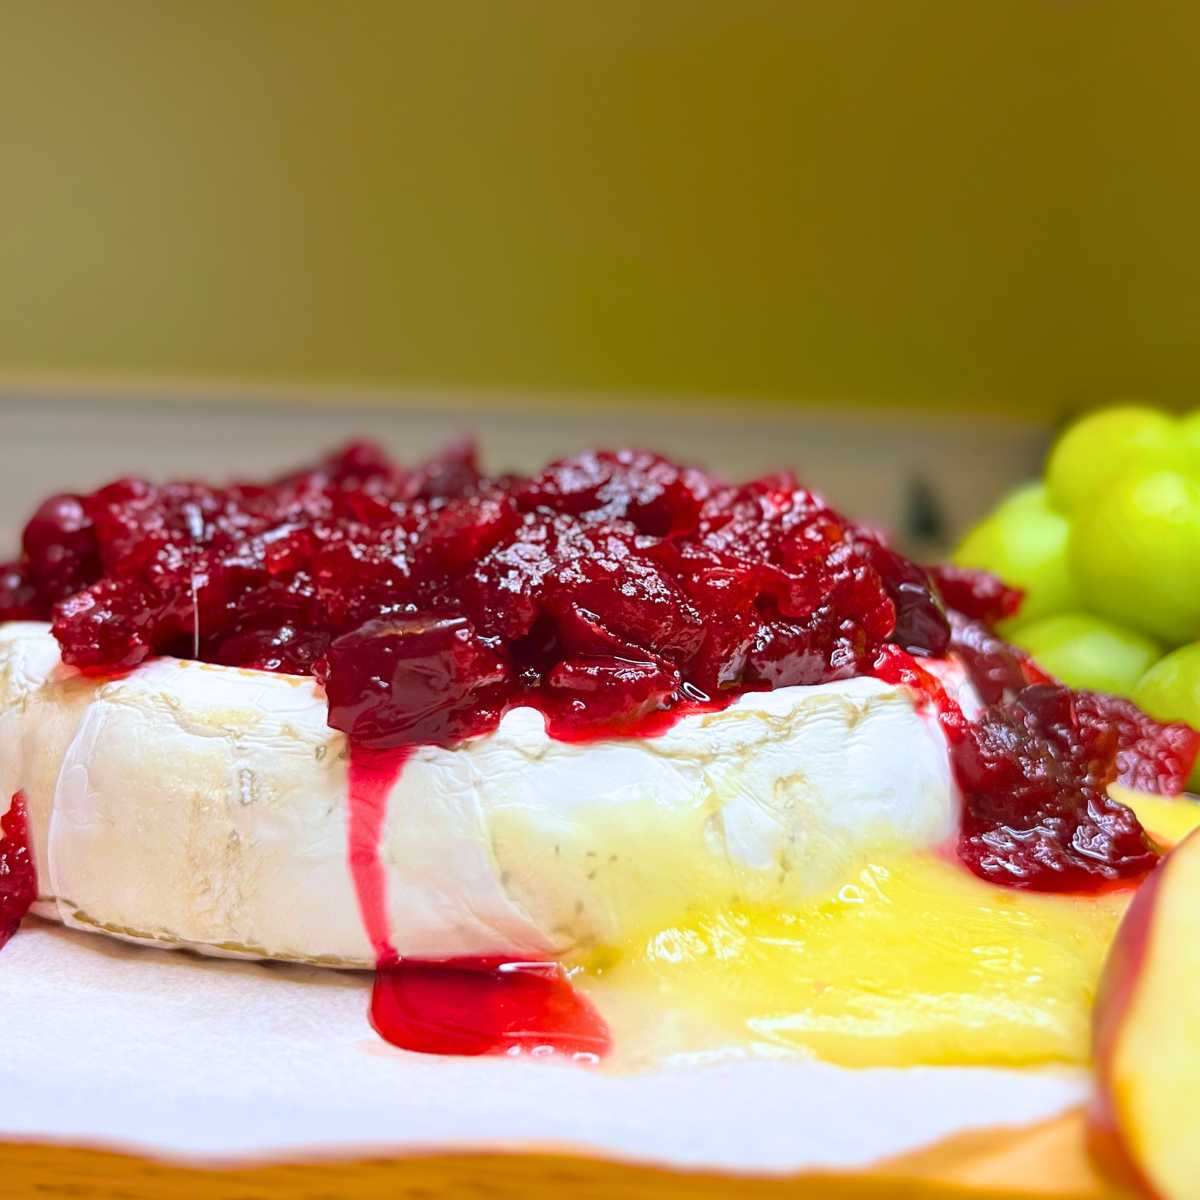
x=170 y=1054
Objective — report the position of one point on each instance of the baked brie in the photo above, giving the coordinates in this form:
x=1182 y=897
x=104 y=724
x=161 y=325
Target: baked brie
x=188 y=804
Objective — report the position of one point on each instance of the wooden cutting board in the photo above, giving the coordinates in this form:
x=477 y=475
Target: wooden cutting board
x=1044 y=1162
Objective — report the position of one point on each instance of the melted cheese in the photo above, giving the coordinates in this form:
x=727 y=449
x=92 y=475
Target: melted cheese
x=912 y=960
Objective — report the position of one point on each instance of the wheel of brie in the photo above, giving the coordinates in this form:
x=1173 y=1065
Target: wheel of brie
x=205 y=806
x=366 y=716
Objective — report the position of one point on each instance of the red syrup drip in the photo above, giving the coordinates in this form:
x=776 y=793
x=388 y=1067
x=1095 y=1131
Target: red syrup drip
x=18 y=876
x=372 y=776
x=462 y=1006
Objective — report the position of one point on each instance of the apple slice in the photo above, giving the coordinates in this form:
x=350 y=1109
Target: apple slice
x=1142 y=1127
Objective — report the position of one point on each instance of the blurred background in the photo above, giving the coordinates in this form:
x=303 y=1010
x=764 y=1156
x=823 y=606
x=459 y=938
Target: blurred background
x=895 y=244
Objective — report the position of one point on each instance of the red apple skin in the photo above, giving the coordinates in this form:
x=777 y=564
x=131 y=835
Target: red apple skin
x=1118 y=985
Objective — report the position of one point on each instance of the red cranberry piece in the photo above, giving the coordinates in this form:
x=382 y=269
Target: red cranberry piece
x=1036 y=813
x=603 y=691
x=1151 y=757
x=130 y=524
x=578 y=631
x=657 y=496
x=750 y=523
x=922 y=627
x=19 y=597
x=18 y=876
x=784 y=654
x=1068 y=847
x=358 y=580
x=60 y=547
x=635 y=600
x=287 y=550
x=452 y=474
x=111 y=626
x=996 y=669
x=424 y=679
x=726 y=599
x=352 y=466
x=451 y=538
x=505 y=593
x=359 y=460
x=285 y=649
x=978 y=595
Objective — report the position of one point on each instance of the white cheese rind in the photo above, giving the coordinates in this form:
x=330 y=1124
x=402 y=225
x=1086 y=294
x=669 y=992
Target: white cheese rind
x=203 y=806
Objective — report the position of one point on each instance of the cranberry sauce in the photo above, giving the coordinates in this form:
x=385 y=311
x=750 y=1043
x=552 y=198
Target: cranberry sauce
x=612 y=591
x=18 y=877
x=606 y=590
x=1034 y=764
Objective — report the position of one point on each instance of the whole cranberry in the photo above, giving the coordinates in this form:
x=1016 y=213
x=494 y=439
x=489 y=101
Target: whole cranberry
x=60 y=547
x=19 y=600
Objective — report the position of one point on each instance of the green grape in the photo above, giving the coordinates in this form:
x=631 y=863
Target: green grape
x=1026 y=545
x=1029 y=497
x=1135 y=554
x=1095 y=451
x=1089 y=652
x=1170 y=691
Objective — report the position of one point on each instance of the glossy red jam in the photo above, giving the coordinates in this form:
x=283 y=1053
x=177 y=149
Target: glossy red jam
x=475 y=1006
x=1034 y=765
x=607 y=589
x=18 y=877
x=612 y=591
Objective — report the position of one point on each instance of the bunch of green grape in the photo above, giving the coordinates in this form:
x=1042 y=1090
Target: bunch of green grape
x=1107 y=550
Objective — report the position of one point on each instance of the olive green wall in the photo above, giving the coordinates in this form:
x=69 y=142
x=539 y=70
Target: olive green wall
x=963 y=202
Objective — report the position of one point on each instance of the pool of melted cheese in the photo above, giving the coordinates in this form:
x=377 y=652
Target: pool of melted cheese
x=910 y=960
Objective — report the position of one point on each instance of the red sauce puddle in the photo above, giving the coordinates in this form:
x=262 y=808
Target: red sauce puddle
x=462 y=1006
x=18 y=876
x=485 y=1006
